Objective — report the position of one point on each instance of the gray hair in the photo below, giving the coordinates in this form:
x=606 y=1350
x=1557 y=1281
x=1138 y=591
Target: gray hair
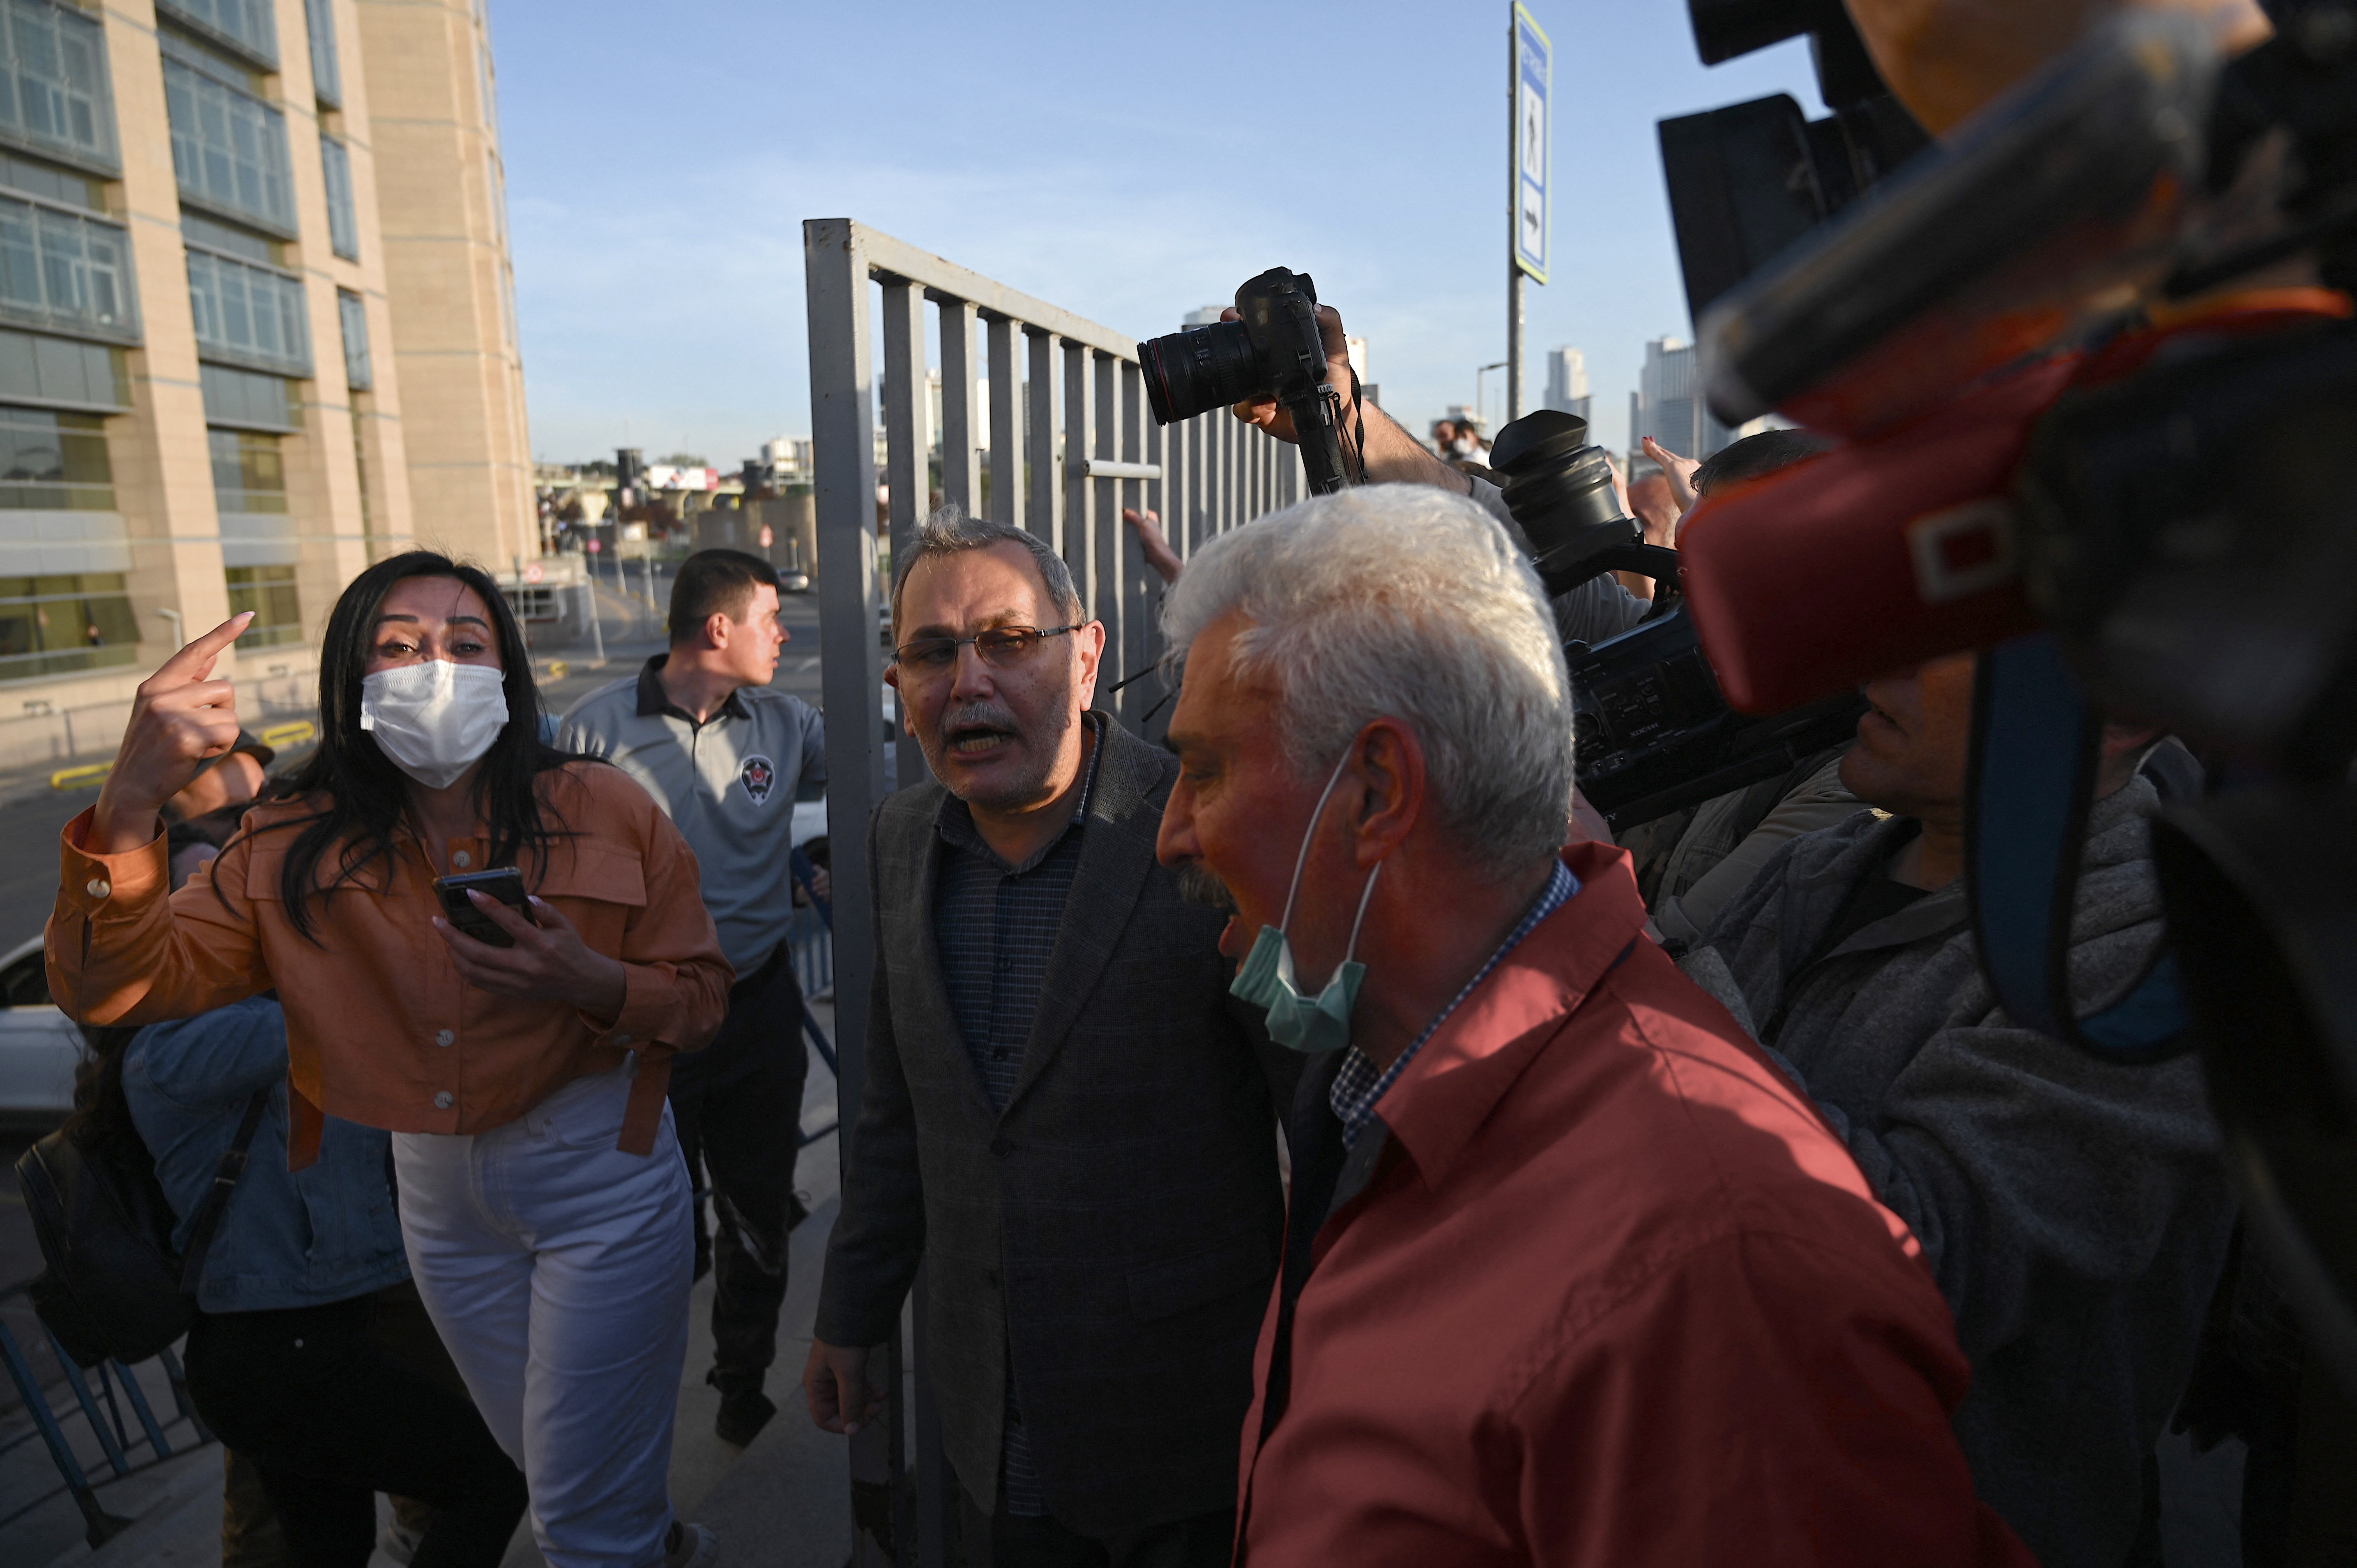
x=946 y=530
x=1409 y=602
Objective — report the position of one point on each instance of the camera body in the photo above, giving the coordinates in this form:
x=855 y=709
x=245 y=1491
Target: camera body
x=1655 y=733
x=1275 y=349
x=1655 y=736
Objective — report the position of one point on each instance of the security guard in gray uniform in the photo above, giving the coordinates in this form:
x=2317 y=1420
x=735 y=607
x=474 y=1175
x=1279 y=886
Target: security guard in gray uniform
x=727 y=757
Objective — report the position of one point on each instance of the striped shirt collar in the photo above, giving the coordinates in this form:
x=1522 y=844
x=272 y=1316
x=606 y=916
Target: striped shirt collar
x=1360 y=1083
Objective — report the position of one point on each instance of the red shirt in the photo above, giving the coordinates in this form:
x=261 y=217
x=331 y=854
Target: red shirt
x=1615 y=1295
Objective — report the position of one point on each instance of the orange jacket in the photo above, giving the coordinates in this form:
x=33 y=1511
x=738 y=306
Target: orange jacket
x=1614 y=1295
x=380 y=1029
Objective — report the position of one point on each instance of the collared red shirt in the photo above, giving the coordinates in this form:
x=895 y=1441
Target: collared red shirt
x=1608 y=1292
x=730 y=784
x=380 y=1028
x=1360 y=1083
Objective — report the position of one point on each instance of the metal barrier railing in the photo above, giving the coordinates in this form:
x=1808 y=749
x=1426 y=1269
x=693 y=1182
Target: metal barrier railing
x=1070 y=443
x=99 y=1395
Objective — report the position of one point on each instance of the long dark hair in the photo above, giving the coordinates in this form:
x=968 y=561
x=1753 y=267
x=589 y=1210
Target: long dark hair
x=360 y=794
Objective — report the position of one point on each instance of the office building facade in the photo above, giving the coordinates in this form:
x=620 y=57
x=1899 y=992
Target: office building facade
x=1668 y=406
x=255 y=332
x=1566 y=383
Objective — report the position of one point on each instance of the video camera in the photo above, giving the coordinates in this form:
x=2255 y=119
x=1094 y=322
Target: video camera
x=1274 y=350
x=2067 y=447
x=1654 y=733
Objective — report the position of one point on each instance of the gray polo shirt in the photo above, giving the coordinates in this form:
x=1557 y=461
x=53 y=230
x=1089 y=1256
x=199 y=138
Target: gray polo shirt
x=730 y=783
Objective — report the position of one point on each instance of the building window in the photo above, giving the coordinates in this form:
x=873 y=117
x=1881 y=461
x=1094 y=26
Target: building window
x=229 y=148
x=343 y=221
x=326 y=76
x=53 y=87
x=249 y=472
x=62 y=270
x=269 y=592
x=246 y=26
x=249 y=314
x=246 y=400
x=48 y=182
x=53 y=626
x=352 y=312
x=54 y=462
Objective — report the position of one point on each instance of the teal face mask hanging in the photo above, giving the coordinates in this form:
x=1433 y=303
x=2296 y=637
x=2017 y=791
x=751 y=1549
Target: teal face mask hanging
x=1312 y=1025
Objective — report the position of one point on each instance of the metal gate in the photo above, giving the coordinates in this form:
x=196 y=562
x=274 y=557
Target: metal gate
x=1069 y=444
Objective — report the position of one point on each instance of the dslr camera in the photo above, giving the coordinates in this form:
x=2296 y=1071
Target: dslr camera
x=1275 y=350
x=1655 y=734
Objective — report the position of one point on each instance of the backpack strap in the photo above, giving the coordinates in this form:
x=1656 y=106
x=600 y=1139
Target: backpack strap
x=232 y=1167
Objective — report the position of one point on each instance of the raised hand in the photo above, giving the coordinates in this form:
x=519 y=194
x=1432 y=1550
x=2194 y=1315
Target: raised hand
x=1154 y=545
x=1679 y=471
x=180 y=718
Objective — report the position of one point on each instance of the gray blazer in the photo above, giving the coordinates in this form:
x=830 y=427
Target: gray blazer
x=1117 y=1229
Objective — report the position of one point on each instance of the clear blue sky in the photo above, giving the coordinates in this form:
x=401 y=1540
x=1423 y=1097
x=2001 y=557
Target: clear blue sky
x=1127 y=162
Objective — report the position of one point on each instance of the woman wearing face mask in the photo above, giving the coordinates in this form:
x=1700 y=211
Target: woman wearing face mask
x=544 y=1203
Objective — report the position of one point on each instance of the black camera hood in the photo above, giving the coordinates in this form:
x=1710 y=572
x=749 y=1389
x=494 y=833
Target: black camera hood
x=1559 y=489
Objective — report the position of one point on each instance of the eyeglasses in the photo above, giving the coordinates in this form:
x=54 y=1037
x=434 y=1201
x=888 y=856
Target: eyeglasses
x=1001 y=647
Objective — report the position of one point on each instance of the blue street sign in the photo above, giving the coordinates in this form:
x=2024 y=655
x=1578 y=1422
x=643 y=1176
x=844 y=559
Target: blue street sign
x=1534 y=63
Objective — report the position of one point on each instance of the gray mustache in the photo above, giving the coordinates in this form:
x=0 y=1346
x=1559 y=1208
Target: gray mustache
x=1198 y=885
x=980 y=715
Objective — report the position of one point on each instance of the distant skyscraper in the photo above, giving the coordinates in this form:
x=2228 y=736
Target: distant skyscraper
x=1204 y=316
x=1567 y=383
x=1668 y=405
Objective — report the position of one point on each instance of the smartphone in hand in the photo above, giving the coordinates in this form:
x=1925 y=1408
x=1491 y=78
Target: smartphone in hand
x=506 y=884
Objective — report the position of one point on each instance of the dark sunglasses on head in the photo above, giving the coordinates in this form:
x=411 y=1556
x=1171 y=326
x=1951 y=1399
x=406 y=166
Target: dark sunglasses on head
x=1001 y=647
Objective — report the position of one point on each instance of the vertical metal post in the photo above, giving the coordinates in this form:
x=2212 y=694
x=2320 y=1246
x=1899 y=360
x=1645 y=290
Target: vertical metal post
x=961 y=418
x=1105 y=601
x=1135 y=574
x=905 y=441
x=1006 y=420
x=843 y=440
x=1513 y=192
x=1044 y=506
x=1079 y=446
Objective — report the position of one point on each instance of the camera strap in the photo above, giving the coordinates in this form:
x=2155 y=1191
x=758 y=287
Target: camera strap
x=2036 y=748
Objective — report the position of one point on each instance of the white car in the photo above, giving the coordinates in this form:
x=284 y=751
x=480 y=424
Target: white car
x=41 y=1048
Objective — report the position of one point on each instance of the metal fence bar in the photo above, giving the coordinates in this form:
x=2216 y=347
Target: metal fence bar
x=1139 y=695
x=1080 y=442
x=1043 y=406
x=907 y=480
x=835 y=269
x=1105 y=555
x=1005 y=336
x=961 y=416
x=1082 y=403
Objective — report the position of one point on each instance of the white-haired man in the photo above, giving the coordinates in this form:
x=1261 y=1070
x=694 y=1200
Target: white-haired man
x=1572 y=1274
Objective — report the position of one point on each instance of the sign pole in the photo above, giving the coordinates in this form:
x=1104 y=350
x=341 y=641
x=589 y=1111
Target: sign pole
x=1513 y=212
x=1529 y=68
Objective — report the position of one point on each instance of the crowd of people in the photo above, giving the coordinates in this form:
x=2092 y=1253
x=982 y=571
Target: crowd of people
x=1325 y=1143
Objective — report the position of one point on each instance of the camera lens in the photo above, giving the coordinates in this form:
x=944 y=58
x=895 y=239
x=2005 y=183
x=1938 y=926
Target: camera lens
x=1559 y=489
x=1197 y=371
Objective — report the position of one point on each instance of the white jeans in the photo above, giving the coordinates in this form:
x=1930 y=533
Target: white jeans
x=558 y=1270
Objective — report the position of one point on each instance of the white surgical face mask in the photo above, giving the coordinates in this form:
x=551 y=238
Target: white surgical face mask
x=433 y=719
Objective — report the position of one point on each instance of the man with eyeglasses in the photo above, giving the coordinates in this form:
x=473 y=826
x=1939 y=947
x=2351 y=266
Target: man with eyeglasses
x=727 y=757
x=1066 y=1113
